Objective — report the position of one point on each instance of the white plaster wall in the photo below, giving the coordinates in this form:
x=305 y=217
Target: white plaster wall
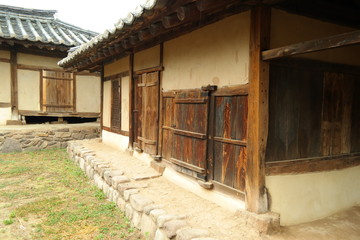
x=116 y=67
x=87 y=93
x=29 y=90
x=306 y=197
x=287 y=28
x=5 y=83
x=5 y=114
x=115 y=140
x=217 y=54
x=107 y=104
x=125 y=96
x=4 y=54
x=147 y=58
x=34 y=60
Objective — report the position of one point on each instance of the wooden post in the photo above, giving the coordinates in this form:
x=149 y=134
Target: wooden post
x=256 y=197
x=131 y=102
x=101 y=98
x=14 y=85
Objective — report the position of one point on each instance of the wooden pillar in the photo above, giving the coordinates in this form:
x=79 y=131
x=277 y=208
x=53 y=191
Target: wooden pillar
x=14 y=85
x=256 y=197
x=131 y=102
x=101 y=98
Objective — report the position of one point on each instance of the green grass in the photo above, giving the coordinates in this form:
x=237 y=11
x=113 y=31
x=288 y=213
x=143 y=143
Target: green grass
x=45 y=191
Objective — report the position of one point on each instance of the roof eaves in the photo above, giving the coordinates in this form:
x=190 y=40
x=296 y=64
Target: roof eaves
x=118 y=27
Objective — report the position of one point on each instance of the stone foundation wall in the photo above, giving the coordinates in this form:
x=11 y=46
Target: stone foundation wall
x=150 y=218
x=43 y=138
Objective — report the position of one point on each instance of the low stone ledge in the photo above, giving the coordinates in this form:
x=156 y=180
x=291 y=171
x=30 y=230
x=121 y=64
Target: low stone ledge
x=152 y=220
x=42 y=138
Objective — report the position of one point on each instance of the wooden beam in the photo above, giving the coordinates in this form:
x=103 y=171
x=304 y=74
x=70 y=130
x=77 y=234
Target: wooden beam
x=186 y=12
x=14 y=82
x=256 y=197
x=171 y=21
x=340 y=40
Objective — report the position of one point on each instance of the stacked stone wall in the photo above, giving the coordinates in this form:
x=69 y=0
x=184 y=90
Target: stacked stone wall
x=43 y=138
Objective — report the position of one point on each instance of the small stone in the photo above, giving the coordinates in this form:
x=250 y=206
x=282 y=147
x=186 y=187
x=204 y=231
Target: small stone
x=11 y=145
x=206 y=185
x=62 y=130
x=190 y=233
x=128 y=211
x=160 y=235
x=109 y=174
x=139 y=201
x=156 y=213
x=125 y=186
x=151 y=207
x=121 y=203
x=128 y=193
x=116 y=180
x=62 y=135
x=171 y=227
x=165 y=218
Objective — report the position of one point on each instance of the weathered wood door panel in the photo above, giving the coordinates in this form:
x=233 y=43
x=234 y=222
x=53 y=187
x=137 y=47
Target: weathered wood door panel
x=229 y=140
x=57 y=91
x=168 y=125
x=149 y=105
x=115 y=105
x=191 y=130
x=137 y=111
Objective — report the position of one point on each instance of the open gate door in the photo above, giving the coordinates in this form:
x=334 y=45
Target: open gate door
x=190 y=131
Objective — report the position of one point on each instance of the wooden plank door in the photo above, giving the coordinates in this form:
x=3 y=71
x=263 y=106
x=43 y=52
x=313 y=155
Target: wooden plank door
x=147 y=138
x=137 y=111
x=57 y=95
x=190 y=131
x=168 y=124
x=229 y=140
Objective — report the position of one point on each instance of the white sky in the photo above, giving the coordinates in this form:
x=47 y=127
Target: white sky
x=88 y=14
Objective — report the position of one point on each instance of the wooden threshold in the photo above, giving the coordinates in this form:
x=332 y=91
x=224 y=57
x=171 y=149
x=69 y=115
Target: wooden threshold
x=64 y=114
x=228 y=190
x=187 y=165
x=299 y=166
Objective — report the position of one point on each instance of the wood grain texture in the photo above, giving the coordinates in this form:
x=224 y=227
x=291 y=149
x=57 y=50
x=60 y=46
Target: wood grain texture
x=256 y=198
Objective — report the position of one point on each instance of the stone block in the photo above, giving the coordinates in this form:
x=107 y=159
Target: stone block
x=105 y=188
x=125 y=186
x=159 y=167
x=128 y=211
x=110 y=193
x=160 y=235
x=116 y=180
x=98 y=181
x=121 y=204
x=147 y=226
x=206 y=185
x=190 y=233
x=266 y=223
x=139 y=201
x=171 y=227
x=128 y=193
x=62 y=134
x=109 y=174
x=115 y=196
x=82 y=163
x=136 y=219
x=78 y=136
x=11 y=145
x=165 y=218
x=156 y=213
x=62 y=130
x=151 y=207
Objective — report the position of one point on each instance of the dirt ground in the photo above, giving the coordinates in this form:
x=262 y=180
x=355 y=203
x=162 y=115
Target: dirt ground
x=222 y=223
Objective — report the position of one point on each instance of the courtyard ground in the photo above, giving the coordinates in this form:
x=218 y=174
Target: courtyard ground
x=43 y=195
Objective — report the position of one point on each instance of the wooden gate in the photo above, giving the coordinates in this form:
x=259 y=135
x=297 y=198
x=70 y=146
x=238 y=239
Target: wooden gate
x=229 y=135
x=185 y=130
x=57 y=91
x=147 y=109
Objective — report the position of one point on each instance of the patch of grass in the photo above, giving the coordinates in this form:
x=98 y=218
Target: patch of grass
x=8 y=221
x=53 y=196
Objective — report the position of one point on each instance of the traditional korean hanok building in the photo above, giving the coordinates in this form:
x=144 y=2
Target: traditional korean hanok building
x=32 y=84
x=261 y=98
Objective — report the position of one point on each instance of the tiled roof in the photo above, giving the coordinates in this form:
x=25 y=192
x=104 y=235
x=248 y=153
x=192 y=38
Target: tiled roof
x=39 y=26
x=118 y=27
